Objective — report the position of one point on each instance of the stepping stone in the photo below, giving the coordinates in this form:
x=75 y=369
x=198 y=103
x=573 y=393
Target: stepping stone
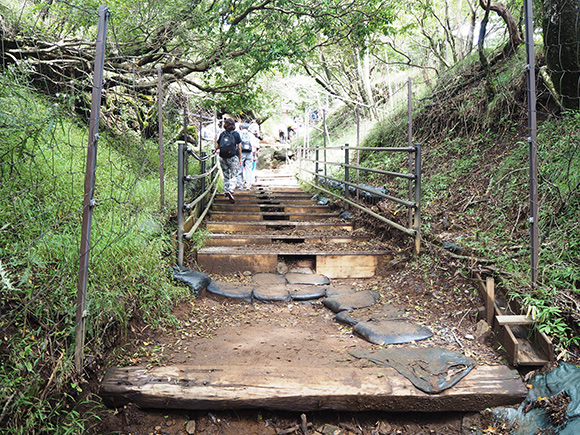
x=272 y=293
x=197 y=281
x=232 y=290
x=346 y=318
x=361 y=299
x=355 y=316
x=306 y=270
x=268 y=279
x=306 y=292
x=391 y=331
x=303 y=278
x=341 y=289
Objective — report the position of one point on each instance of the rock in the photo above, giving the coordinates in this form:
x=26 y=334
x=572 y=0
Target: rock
x=482 y=331
x=361 y=299
x=197 y=281
x=282 y=268
x=190 y=427
x=323 y=201
x=247 y=273
x=345 y=215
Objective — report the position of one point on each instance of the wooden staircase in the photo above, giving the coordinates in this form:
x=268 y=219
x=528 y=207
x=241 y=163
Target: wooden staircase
x=276 y=225
x=273 y=224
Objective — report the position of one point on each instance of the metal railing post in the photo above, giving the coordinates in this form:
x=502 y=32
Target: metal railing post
x=417 y=214
x=346 y=172
x=410 y=143
x=89 y=201
x=181 y=150
x=161 y=165
x=202 y=171
x=532 y=139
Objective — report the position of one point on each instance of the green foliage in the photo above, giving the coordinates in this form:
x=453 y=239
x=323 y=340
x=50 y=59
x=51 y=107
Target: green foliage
x=41 y=192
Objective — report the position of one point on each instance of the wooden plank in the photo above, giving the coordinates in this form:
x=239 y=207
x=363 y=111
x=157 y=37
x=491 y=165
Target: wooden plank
x=224 y=263
x=514 y=320
x=267 y=239
x=304 y=389
x=235 y=216
x=489 y=292
x=347 y=266
x=216 y=226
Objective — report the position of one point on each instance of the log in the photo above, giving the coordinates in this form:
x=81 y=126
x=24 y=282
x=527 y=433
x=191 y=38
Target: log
x=304 y=389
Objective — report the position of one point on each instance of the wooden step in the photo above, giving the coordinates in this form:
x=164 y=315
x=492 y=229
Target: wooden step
x=256 y=208
x=340 y=264
x=222 y=227
x=304 y=389
x=236 y=216
x=267 y=239
x=247 y=200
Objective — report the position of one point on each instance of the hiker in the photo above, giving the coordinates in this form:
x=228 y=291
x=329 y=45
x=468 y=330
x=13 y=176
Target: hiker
x=248 y=146
x=230 y=152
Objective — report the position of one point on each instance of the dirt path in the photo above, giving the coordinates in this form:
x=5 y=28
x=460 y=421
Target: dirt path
x=214 y=331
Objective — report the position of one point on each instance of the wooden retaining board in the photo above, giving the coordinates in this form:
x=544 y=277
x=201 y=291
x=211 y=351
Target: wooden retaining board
x=349 y=264
x=304 y=389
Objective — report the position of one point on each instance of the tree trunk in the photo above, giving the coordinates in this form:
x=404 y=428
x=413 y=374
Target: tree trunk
x=562 y=45
x=511 y=24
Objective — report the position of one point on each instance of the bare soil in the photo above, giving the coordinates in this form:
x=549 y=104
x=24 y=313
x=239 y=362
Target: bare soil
x=213 y=331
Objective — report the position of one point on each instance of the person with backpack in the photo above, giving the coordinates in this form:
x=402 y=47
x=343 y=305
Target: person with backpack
x=228 y=146
x=245 y=174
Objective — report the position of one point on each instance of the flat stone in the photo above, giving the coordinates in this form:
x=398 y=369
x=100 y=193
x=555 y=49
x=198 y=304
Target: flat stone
x=306 y=270
x=361 y=299
x=341 y=289
x=197 y=281
x=304 y=278
x=268 y=278
x=306 y=292
x=232 y=290
x=391 y=331
x=346 y=318
x=272 y=293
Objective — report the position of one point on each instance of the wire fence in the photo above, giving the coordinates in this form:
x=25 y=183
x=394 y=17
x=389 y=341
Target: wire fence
x=42 y=174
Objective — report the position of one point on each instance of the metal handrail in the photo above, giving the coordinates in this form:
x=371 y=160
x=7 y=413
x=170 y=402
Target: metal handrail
x=366 y=189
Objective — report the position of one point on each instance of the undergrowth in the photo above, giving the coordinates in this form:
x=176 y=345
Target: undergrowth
x=42 y=164
x=476 y=189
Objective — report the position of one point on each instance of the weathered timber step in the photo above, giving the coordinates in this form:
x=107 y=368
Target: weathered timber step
x=235 y=216
x=267 y=239
x=247 y=200
x=221 y=227
x=304 y=389
x=256 y=208
x=340 y=264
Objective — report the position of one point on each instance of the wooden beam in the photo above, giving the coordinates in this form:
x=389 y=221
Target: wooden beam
x=489 y=290
x=304 y=389
x=514 y=320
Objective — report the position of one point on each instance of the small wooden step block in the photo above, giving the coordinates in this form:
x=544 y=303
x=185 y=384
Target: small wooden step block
x=514 y=320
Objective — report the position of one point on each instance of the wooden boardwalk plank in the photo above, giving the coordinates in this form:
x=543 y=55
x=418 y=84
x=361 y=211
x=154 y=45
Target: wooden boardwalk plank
x=304 y=389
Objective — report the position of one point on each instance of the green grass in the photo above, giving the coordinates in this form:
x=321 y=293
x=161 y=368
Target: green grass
x=41 y=194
